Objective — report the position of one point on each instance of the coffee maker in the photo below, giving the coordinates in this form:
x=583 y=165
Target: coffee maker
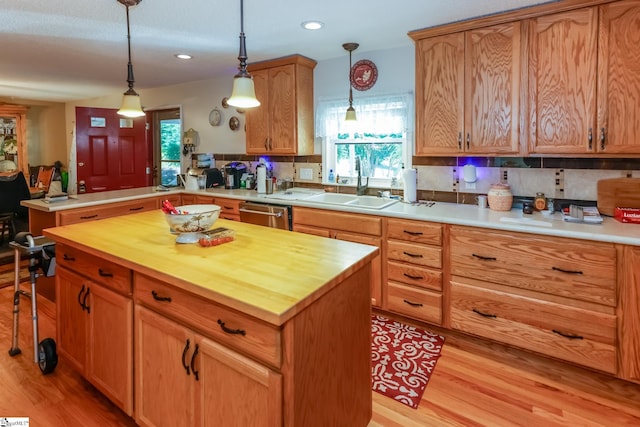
x=233 y=173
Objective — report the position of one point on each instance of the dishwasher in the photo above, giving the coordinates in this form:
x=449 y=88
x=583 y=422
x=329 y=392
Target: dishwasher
x=274 y=216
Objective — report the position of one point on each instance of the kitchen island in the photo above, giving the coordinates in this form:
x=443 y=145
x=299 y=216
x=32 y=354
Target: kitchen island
x=272 y=327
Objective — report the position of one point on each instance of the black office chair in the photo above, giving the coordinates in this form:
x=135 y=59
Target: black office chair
x=13 y=189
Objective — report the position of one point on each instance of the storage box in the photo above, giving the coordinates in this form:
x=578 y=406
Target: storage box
x=628 y=215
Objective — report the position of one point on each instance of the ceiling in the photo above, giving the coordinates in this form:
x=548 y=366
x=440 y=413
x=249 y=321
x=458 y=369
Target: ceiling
x=66 y=50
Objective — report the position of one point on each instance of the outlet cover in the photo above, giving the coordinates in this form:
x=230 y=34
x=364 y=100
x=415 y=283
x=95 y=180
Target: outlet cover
x=306 y=173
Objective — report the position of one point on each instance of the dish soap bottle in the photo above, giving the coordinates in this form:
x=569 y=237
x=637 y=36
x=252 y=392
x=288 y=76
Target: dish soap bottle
x=331 y=177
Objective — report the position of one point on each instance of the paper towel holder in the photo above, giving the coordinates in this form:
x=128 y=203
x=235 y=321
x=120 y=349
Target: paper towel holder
x=469 y=173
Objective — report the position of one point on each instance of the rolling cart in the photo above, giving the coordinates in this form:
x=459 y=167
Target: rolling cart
x=41 y=254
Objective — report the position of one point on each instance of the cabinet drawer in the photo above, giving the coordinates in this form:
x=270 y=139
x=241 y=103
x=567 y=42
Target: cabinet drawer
x=414 y=231
x=557 y=266
x=217 y=322
x=112 y=276
x=74 y=216
x=414 y=275
x=228 y=206
x=417 y=303
x=354 y=223
x=577 y=335
x=428 y=256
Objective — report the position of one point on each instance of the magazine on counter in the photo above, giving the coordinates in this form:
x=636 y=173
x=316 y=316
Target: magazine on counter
x=587 y=214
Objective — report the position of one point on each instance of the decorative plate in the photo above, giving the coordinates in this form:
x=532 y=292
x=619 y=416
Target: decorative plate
x=215 y=117
x=240 y=110
x=364 y=74
x=234 y=123
x=224 y=102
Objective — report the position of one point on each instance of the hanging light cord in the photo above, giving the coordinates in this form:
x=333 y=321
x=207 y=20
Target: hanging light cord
x=242 y=55
x=350 y=85
x=130 y=79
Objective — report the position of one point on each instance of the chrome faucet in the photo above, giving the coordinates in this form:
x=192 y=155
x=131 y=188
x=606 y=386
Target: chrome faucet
x=360 y=189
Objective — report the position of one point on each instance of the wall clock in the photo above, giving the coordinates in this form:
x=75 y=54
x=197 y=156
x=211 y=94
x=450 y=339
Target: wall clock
x=215 y=117
x=363 y=75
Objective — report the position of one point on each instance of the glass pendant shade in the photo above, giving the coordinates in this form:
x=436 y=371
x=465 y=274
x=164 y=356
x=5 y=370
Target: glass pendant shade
x=131 y=105
x=243 y=94
x=351 y=115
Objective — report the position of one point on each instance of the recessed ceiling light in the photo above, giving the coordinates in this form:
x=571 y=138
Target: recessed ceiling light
x=312 y=25
x=183 y=56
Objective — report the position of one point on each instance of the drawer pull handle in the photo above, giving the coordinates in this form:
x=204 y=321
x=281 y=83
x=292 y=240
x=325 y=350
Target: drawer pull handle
x=159 y=298
x=80 y=297
x=412 y=255
x=413 y=304
x=68 y=257
x=493 y=316
x=485 y=258
x=231 y=331
x=193 y=362
x=570 y=336
x=566 y=271
x=89 y=216
x=413 y=277
x=84 y=300
x=413 y=233
x=139 y=208
x=184 y=356
x=104 y=273
x=228 y=207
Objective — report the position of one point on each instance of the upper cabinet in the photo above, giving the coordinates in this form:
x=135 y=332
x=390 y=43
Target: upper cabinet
x=562 y=82
x=468 y=92
x=283 y=123
x=559 y=78
x=13 y=139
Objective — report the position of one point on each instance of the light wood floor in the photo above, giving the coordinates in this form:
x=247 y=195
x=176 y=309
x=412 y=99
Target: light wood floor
x=474 y=384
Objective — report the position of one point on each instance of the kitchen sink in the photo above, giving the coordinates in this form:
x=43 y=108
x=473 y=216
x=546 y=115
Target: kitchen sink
x=368 y=202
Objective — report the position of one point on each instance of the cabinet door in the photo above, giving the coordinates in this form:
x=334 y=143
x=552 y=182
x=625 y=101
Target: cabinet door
x=562 y=82
x=492 y=89
x=629 y=314
x=258 y=118
x=376 y=263
x=619 y=78
x=164 y=387
x=233 y=390
x=110 y=358
x=71 y=318
x=439 y=95
x=282 y=103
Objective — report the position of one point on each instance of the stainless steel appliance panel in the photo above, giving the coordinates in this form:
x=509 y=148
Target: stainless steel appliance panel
x=274 y=216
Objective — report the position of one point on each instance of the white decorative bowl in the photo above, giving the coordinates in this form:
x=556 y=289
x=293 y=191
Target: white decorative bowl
x=193 y=220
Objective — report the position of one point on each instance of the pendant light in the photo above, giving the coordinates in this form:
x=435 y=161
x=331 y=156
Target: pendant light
x=243 y=94
x=351 y=112
x=130 y=100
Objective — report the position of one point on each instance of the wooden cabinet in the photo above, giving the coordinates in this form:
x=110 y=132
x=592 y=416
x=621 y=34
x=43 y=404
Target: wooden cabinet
x=13 y=127
x=562 y=82
x=215 y=385
x=283 y=123
x=73 y=216
x=95 y=323
x=365 y=229
x=549 y=295
x=229 y=208
x=618 y=79
x=629 y=313
x=414 y=269
x=468 y=92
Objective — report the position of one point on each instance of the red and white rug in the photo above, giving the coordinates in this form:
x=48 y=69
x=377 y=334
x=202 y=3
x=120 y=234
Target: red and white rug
x=402 y=359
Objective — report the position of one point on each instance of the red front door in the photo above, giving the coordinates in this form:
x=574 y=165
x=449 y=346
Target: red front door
x=112 y=151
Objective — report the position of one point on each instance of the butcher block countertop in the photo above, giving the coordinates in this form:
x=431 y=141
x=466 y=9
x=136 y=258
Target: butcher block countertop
x=268 y=273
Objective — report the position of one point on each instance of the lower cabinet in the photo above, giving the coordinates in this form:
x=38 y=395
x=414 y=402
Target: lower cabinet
x=229 y=208
x=365 y=229
x=186 y=379
x=94 y=334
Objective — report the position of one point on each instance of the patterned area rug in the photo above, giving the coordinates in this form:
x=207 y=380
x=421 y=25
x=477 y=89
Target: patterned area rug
x=403 y=358
x=7 y=273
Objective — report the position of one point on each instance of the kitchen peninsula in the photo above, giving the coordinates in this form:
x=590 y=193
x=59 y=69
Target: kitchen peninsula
x=272 y=327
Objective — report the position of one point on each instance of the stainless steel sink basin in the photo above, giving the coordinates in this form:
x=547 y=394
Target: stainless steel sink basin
x=367 y=202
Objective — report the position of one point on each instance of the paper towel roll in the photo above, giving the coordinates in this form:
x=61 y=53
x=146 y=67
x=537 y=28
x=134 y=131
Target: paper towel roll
x=410 y=178
x=261 y=172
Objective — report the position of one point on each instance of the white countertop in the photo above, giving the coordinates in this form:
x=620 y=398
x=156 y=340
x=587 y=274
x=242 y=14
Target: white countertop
x=448 y=213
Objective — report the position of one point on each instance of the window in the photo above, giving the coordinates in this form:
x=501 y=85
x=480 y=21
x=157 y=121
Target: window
x=381 y=138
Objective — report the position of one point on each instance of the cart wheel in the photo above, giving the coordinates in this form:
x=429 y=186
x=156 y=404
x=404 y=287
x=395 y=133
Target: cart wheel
x=48 y=358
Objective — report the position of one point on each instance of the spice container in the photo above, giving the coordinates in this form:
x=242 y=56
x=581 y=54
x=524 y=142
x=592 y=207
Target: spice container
x=540 y=202
x=500 y=197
